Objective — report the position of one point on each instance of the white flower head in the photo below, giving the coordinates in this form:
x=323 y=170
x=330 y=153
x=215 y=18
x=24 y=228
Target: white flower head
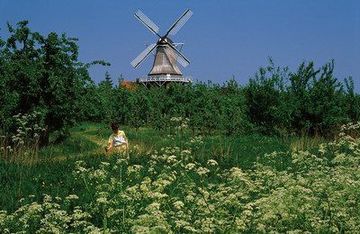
x=190 y=166
x=171 y=159
x=178 y=205
x=202 y=171
x=72 y=197
x=212 y=162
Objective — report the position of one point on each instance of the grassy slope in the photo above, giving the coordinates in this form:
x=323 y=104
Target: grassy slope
x=53 y=173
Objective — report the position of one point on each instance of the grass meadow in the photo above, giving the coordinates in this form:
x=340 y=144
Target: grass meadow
x=176 y=182
x=51 y=173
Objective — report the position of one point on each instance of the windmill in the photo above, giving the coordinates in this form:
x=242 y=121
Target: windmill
x=167 y=53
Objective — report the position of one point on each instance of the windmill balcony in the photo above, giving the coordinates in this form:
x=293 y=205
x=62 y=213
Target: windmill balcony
x=165 y=78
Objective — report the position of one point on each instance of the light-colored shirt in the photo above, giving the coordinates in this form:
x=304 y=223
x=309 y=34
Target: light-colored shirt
x=117 y=139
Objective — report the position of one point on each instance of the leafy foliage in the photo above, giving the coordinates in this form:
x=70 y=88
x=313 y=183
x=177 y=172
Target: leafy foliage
x=41 y=73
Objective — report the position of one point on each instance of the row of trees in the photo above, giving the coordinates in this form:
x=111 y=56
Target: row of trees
x=42 y=74
x=275 y=101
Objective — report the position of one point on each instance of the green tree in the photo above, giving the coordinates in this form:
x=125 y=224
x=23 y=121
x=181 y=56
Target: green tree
x=139 y=108
x=352 y=100
x=107 y=98
x=264 y=98
x=234 y=119
x=317 y=99
x=42 y=73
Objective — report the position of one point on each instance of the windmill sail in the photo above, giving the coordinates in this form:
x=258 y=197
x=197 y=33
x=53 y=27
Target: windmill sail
x=148 y=23
x=179 y=23
x=180 y=57
x=141 y=57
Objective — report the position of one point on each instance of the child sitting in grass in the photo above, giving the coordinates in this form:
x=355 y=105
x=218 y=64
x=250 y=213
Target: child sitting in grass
x=117 y=140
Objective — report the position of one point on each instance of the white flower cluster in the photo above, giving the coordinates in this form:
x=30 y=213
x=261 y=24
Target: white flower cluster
x=23 y=144
x=179 y=123
x=29 y=128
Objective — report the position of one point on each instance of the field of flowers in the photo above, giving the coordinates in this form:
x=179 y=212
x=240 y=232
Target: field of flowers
x=170 y=191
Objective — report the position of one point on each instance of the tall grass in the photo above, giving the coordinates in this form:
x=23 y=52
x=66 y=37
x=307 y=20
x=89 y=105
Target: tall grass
x=305 y=142
x=49 y=170
x=25 y=151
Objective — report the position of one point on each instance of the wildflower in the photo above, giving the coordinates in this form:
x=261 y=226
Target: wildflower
x=151 y=171
x=80 y=163
x=212 y=162
x=202 y=171
x=47 y=198
x=178 y=205
x=111 y=212
x=190 y=166
x=240 y=224
x=102 y=200
x=78 y=214
x=121 y=161
x=322 y=148
x=134 y=169
x=236 y=172
x=186 y=151
x=157 y=195
x=72 y=197
x=171 y=159
x=162 y=183
x=99 y=174
x=181 y=224
x=34 y=208
x=106 y=164
x=155 y=206
x=189 y=198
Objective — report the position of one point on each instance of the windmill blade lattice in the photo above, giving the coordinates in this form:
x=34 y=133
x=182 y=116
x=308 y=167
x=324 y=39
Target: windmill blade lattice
x=141 y=57
x=179 y=23
x=147 y=22
x=180 y=57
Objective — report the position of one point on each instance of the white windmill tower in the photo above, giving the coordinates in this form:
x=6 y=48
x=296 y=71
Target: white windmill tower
x=164 y=69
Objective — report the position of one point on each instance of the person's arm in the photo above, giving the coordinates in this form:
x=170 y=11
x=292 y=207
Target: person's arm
x=126 y=140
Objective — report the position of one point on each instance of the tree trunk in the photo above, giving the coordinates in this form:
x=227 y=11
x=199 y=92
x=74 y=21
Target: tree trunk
x=44 y=137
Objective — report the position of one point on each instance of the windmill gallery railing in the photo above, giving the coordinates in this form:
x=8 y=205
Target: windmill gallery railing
x=160 y=80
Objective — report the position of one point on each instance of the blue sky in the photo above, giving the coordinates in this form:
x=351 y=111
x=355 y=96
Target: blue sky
x=222 y=39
